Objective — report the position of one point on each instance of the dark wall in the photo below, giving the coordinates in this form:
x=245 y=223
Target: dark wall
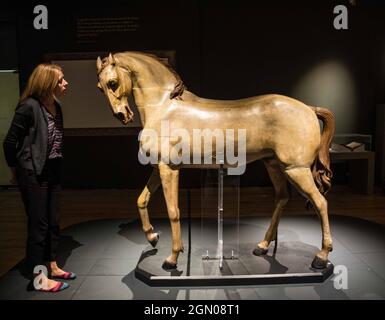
x=269 y=49
x=222 y=51
x=166 y=26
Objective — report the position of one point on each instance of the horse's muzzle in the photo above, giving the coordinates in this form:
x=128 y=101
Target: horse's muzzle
x=121 y=116
x=125 y=117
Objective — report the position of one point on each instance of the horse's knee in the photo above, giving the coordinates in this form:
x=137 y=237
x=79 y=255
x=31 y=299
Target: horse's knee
x=175 y=219
x=173 y=215
x=142 y=201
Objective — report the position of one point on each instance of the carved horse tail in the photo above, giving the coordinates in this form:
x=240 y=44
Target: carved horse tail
x=321 y=167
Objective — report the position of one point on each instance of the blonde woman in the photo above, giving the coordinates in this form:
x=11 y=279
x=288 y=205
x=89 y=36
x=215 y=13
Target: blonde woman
x=33 y=149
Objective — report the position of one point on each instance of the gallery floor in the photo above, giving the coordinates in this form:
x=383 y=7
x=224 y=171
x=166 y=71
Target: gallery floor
x=104 y=254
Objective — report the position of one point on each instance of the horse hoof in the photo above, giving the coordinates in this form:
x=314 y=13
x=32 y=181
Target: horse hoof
x=154 y=241
x=319 y=263
x=168 y=265
x=259 y=251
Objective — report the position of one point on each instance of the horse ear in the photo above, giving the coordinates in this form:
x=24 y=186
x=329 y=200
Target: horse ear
x=98 y=64
x=111 y=58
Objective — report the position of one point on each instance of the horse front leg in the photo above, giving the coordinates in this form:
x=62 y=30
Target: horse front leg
x=143 y=200
x=170 y=184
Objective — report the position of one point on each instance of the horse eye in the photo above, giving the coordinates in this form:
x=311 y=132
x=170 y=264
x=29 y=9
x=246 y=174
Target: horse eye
x=113 y=85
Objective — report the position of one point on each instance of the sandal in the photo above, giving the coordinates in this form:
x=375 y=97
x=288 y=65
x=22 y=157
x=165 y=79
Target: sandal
x=59 y=287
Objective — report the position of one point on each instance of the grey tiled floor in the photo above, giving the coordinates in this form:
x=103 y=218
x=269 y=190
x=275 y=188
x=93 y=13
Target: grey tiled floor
x=104 y=254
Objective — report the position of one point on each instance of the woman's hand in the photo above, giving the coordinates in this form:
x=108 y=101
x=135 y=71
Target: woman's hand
x=13 y=180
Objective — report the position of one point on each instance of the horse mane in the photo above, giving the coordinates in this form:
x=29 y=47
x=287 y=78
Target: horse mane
x=179 y=88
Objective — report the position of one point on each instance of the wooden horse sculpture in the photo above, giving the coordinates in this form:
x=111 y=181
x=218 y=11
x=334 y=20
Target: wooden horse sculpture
x=283 y=132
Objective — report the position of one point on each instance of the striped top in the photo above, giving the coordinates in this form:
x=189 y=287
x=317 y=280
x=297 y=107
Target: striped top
x=55 y=135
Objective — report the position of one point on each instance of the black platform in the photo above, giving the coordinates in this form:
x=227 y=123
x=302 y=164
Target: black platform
x=290 y=265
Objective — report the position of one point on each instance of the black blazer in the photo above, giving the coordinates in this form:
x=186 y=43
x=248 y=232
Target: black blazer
x=27 y=140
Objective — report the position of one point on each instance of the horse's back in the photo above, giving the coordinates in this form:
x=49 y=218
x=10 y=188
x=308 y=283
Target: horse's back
x=275 y=124
x=237 y=103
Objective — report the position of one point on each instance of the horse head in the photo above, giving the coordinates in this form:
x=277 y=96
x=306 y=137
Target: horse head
x=153 y=79
x=115 y=82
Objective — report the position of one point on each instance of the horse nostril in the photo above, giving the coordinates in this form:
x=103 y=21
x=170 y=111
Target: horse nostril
x=120 y=115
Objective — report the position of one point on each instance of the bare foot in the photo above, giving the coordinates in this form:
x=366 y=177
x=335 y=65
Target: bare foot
x=57 y=272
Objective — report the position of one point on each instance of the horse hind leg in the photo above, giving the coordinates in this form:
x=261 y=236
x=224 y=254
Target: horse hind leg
x=281 y=199
x=143 y=200
x=303 y=180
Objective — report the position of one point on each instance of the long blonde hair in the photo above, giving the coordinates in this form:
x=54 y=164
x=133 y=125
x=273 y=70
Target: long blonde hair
x=42 y=82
